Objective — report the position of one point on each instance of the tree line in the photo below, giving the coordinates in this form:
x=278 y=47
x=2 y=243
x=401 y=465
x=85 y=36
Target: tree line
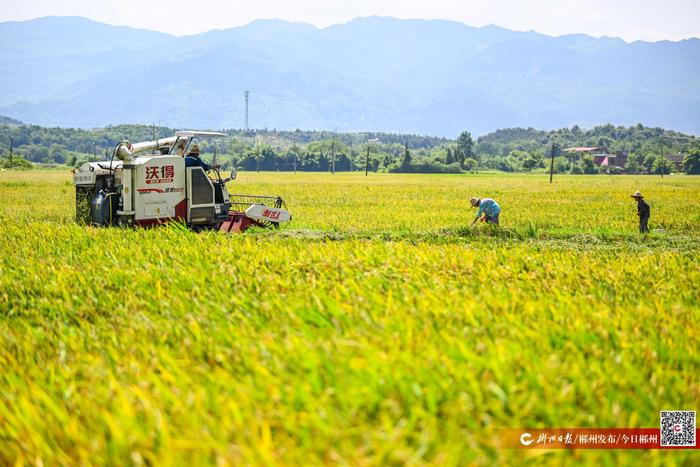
x=511 y=150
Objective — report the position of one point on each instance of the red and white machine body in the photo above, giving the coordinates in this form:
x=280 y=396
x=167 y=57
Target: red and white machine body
x=154 y=188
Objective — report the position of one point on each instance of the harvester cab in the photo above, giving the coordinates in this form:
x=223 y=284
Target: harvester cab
x=150 y=184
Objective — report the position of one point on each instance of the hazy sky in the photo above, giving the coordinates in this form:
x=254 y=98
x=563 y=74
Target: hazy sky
x=629 y=19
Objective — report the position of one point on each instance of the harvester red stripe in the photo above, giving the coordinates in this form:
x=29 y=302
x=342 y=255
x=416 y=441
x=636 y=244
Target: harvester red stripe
x=148 y=190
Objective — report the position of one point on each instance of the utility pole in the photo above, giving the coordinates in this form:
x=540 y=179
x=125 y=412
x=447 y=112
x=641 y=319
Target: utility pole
x=333 y=155
x=153 y=131
x=551 y=168
x=11 y=149
x=555 y=150
x=247 y=95
x=367 y=161
x=369 y=141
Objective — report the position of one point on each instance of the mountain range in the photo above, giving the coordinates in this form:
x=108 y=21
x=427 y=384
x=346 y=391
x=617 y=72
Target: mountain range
x=371 y=74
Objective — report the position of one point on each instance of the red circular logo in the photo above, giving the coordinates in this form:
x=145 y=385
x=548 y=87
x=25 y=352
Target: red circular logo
x=677 y=428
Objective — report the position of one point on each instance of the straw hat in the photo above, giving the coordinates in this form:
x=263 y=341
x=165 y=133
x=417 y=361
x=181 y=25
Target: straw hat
x=194 y=149
x=474 y=201
x=637 y=195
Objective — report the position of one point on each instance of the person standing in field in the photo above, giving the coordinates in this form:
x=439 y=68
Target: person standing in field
x=488 y=207
x=643 y=211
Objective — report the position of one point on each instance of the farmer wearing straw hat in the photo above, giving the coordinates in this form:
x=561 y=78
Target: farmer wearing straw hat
x=193 y=160
x=488 y=207
x=643 y=211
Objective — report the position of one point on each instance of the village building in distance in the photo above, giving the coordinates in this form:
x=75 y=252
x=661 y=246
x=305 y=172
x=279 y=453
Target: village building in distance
x=616 y=162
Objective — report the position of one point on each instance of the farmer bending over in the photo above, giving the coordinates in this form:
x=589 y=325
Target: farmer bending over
x=488 y=207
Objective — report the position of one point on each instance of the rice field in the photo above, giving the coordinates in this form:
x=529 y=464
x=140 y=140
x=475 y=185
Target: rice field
x=376 y=328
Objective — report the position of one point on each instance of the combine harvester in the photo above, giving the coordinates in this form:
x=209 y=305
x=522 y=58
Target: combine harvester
x=153 y=188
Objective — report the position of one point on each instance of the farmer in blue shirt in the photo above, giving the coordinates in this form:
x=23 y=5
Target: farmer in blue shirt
x=488 y=207
x=193 y=160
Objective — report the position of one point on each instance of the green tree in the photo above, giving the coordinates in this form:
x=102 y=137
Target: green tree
x=649 y=161
x=561 y=164
x=661 y=166
x=524 y=159
x=532 y=161
x=691 y=162
x=588 y=165
x=502 y=163
x=16 y=163
x=406 y=161
x=605 y=142
x=470 y=163
x=635 y=163
x=466 y=145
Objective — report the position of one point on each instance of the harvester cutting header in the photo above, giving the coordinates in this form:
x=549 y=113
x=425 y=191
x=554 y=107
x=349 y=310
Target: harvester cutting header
x=151 y=183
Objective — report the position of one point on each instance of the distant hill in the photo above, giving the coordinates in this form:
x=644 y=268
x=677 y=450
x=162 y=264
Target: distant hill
x=9 y=121
x=370 y=74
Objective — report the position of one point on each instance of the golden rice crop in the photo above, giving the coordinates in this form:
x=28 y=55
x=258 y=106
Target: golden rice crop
x=375 y=329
